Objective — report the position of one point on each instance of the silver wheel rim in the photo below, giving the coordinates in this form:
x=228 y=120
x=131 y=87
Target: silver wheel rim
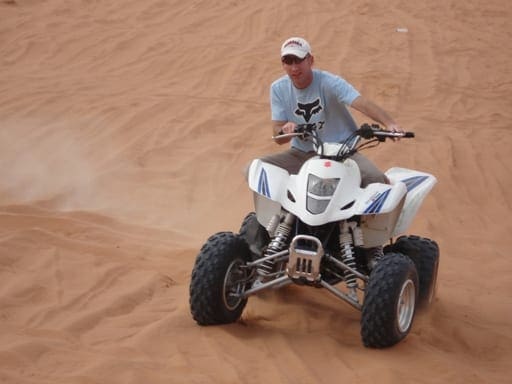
x=234 y=285
x=406 y=303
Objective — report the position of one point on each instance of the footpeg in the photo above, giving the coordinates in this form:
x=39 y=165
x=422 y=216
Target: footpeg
x=306 y=253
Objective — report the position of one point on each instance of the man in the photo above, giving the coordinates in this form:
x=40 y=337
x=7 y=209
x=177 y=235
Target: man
x=307 y=95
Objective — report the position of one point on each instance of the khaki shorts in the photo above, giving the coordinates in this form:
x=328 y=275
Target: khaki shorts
x=292 y=159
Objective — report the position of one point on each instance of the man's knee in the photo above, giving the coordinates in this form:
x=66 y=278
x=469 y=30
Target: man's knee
x=377 y=177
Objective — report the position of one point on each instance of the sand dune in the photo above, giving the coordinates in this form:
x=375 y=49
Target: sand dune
x=124 y=130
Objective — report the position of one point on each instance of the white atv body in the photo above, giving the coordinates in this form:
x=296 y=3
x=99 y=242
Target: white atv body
x=387 y=210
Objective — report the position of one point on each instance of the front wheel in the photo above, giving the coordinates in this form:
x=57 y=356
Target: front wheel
x=390 y=301
x=219 y=279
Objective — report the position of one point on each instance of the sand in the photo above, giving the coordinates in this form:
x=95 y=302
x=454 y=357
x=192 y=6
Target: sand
x=124 y=130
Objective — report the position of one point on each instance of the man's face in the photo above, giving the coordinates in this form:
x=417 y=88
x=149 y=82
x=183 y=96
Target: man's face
x=299 y=70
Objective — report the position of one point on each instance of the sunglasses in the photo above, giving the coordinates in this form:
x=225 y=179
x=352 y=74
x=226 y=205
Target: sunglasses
x=290 y=59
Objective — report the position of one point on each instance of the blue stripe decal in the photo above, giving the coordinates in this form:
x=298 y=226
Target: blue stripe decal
x=263 y=187
x=382 y=200
x=413 y=182
x=377 y=204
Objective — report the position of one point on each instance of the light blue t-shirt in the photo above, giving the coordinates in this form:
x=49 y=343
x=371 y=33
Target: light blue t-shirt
x=324 y=101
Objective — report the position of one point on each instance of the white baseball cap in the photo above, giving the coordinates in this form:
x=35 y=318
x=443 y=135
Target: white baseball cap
x=295 y=46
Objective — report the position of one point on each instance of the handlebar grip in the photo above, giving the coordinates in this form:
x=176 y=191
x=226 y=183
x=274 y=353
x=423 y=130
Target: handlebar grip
x=409 y=134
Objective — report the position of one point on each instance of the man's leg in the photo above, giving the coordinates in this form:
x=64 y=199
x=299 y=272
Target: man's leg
x=369 y=172
x=291 y=159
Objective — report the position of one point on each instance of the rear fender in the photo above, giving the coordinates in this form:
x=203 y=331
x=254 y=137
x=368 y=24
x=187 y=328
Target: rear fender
x=379 y=208
x=378 y=199
x=418 y=185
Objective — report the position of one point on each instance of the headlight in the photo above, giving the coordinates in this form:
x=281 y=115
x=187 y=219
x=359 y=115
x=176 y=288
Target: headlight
x=316 y=206
x=322 y=187
x=319 y=193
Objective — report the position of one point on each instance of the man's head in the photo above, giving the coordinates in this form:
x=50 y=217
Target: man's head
x=295 y=46
x=297 y=61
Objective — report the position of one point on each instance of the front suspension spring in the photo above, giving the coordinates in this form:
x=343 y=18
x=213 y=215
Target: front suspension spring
x=347 y=254
x=278 y=244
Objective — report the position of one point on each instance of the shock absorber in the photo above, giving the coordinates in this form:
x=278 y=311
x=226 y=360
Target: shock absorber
x=347 y=253
x=374 y=255
x=277 y=244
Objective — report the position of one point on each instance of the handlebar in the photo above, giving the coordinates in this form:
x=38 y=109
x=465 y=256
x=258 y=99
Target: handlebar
x=366 y=131
x=284 y=135
x=301 y=130
x=373 y=135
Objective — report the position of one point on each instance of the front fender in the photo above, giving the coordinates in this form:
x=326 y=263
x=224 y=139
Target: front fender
x=267 y=180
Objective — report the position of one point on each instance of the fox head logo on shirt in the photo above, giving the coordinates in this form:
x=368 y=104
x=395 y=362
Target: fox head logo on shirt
x=308 y=110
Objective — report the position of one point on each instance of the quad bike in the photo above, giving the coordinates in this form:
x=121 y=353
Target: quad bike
x=319 y=228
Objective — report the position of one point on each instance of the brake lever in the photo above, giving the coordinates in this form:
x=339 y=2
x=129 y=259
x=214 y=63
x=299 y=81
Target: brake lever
x=285 y=135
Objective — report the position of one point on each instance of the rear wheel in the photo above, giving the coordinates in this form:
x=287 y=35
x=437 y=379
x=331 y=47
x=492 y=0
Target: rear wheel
x=249 y=223
x=425 y=255
x=219 y=279
x=390 y=301
x=254 y=234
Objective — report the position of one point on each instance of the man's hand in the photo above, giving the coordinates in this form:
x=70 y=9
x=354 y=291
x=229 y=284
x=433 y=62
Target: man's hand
x=394 y=127
x=289 y=127
x=281 y=127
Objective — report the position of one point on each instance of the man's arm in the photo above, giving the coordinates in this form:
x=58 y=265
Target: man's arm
x=376 y=113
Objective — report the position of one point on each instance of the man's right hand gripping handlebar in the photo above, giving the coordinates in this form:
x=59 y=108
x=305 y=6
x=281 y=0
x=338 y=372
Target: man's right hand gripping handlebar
x=289 y=127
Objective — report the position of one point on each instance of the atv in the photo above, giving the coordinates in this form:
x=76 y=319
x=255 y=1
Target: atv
x=320 y=228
